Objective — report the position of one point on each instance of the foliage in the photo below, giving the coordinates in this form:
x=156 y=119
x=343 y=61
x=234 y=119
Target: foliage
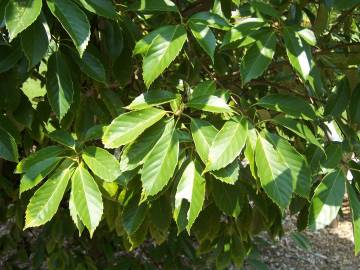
x=173 y=131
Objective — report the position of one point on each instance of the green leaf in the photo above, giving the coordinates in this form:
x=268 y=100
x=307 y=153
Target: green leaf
x=249 y=151
x=75 y=215
x=205 y=37
x=154 y=5
x=307 y=35
x=103 y=8
x=354 y=109
x=8 y=148
x=258 y=57
x=59 y=85
x=35 y=41
x=9 y=56
x=38 y=172
x=327 y=200
x=20 y=14
x=133 y=215
x=297 y=164
x=227 y=144
x=87 y=198
x=102 y=163
x=298 y=127
x=242 y=30
x=73 y=20
x=355 y=213
x=298 y=52
x=162 y=51
x=27 y=163
x=339 y=99
x=151 y=98
x=137 y=152
x=265 y=8
x=291 y=105
x=210 y=19
x=203 y=134
x=63 y=137
x=46 y=200
x=191 y=188
x=93 y=67
x=275 y=176
x=228 y=198
x=206 y=88
x=128 y=126
x=160 y=165
x=229 y=174
x=210 y=104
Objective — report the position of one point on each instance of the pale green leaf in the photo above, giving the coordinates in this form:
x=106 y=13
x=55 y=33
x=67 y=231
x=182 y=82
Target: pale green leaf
x=101 y=163
x=151 y=98
x=27 y=163
x=191 y=188
x=59 y=85
x=205 y=88
x=163 y=50
x=205 y=37
x=299 y=53
x=355 y=213
x=258 y=57
x=327 y=200
x=160 y=165
x=20 y=14
x=227 y=144
x=210 y=104
x=307 y=35
x=249 y=151
x=87 y=198
x=38 y=172
x=203 y=134
x=291 y=105
x=229 y=174
x=128 y=126
x=136 y=153
x=73 y=20
x=275 y=176
x=74 y=214
x=46 y=200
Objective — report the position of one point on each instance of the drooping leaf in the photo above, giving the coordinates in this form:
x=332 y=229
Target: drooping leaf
x=73 y=20
x=307 y=35
x=46 y=200
x=205 y=37
x=265 y=8
x=162 y=51
x=63 y=137
x=74 y=214
x=339 y=99
x=160 y=165
x=228 y=174
x=137 y=152
x=355 y=213
x=205 y=88
x=8 y=147
x=128 y=126
x=297 y=164
x=209 y=104
x=327 y=200
x=35 y=41
x=9 y=56
x=258 y=57
x=191 y=188
x=20 y=14
x=92 y=66
x=27 y=163
x=133 y=215
x=103 y=8
x=102 y=163
x=291 y=105
x=298 y=52
x=203 y=134
x=210 y=19
x=150 y=99
x=275 y=176
x=227 y=144
x=87 y=198
x=59 y=85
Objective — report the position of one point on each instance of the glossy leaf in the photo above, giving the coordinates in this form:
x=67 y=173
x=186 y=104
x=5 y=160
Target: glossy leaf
x=355 y=213
x=191 y=188
x=205 y=37
x=101 y=163
x=327 y=200
x=20 y=14
x=210 y=19
x=150 y=99
x=228 y=198
x=128 y=126
x=93 y=67
x=46 y=200
x=103 y=8
x=160 y=165
x=73 y=20
x=63 y=137
x=227 y=144
x=87 y=198
x=8 y=147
